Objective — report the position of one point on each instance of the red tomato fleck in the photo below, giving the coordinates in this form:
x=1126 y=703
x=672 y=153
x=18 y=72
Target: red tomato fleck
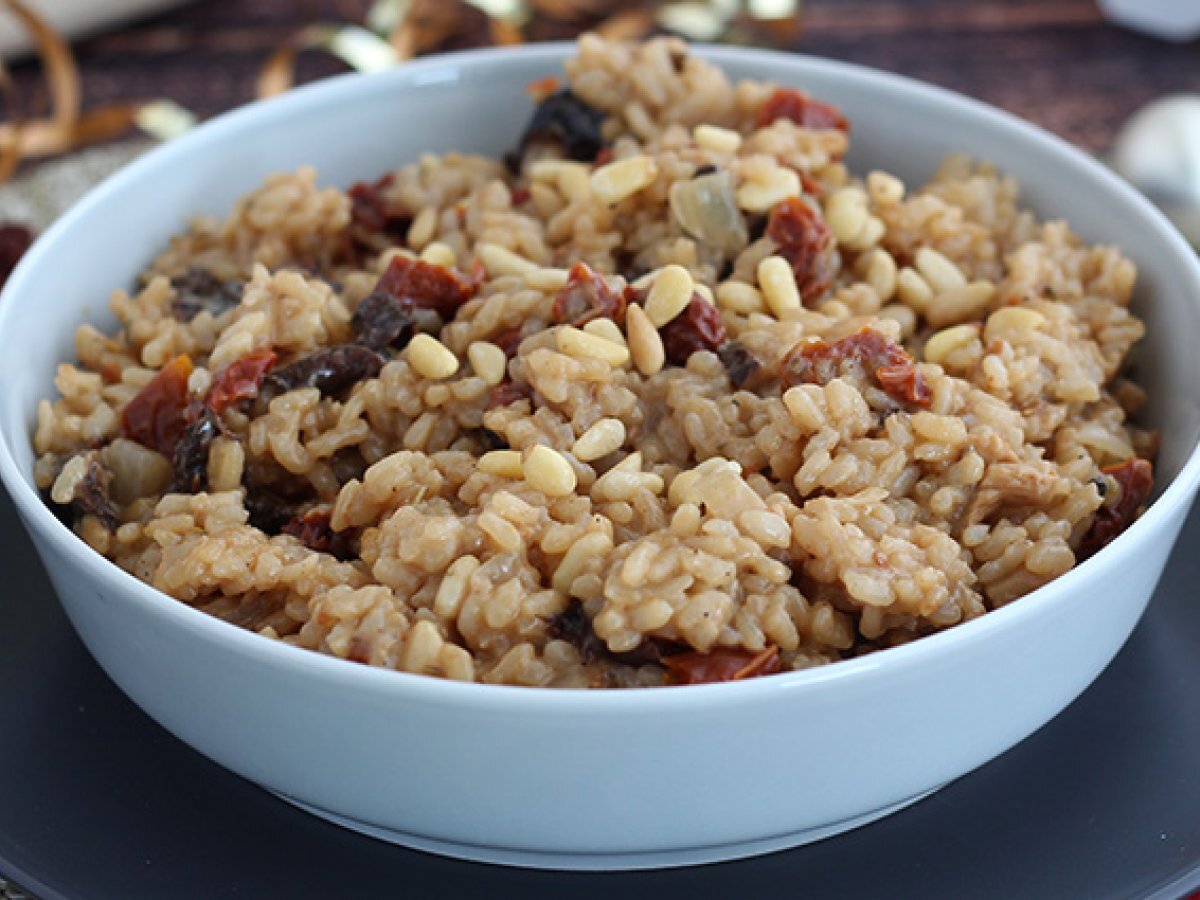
x=805 y=241
x=1136 y=479
x=722 y=664
x=789 y=103
x=239 y=380
x=604 y=157
x=158 y=414
x=428 y=286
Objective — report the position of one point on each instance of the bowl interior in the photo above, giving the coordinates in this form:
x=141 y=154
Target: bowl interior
x=358 y=127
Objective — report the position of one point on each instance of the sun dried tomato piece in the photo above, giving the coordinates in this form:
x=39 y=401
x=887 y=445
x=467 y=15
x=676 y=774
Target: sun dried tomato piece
x=314 y=531
x=722 y=664
x=240 y=380
x=332 y=370
x=789 y=103
x=1136 y=479
x=509 y=392
x=190 y=459
x=158 y=414
x=743 y=368
x=198 y=290
x=426 y=285
x=520 y=196
x=371 y=210
x=565 y=122
x=806 y=242
x=818 y=362
x=508 y=341
x=586 y=296
x=904 y=383
x=698 y=327
x=383 y=319
x=15 y=239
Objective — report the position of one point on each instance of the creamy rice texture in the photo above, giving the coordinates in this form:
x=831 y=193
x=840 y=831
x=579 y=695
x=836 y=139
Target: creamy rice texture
x=668 y=395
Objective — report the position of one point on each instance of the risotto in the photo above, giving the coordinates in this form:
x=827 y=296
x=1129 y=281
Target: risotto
x=667 y=395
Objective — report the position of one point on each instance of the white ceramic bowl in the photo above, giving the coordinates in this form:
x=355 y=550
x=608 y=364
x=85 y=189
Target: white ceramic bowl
x=572 y=778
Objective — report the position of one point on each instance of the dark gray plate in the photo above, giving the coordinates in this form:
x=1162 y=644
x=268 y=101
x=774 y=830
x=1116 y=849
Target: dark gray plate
x=98 y=801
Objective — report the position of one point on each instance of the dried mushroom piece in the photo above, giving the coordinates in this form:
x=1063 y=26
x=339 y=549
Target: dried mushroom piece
x=198 y=290
x=564 y=122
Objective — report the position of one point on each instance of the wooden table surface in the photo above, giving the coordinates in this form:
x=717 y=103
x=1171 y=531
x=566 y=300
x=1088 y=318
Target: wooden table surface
x=1056 y=62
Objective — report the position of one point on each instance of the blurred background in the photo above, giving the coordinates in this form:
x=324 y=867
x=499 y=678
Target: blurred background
x=139 y=69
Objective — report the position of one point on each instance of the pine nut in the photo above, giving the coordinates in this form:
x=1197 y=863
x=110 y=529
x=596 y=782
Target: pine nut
x=760 y=196
x=938 y=270
x=501 y=261
x=423 y=227
x=885 y=189
x=548 y=471
x=879 y=270
x=547 y=279
x=488 y=361
x=439 y=254
x=505 y=463
x=768 y=528
x=607 y=329
x=960 y=304
x=669 y=295
x=645 y=344
x=739 y=297
x=718 y=140
x=846 y=213
x=914 y=290
x=898 y=312
x=618 y=180
x=942 y=343
x=574 y=342
x=430 y=357
x=600 y=440
x=872 y=233
x=1012 y=323
x=778 y=284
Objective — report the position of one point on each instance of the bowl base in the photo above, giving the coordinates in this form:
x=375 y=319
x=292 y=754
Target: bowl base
x=600 y=862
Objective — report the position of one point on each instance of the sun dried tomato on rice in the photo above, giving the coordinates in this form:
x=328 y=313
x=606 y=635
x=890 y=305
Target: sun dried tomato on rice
x=1135 y=478
x=371 y=210
x=806 y=242
x=314 y=531
x=789 y=103
x=158 y=414
x=240 y=380
x=722 y=664
x=698 y=327
x=426 y=285
x=817 y=362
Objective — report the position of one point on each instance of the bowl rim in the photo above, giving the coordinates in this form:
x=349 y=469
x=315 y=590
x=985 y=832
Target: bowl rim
x=788 y=68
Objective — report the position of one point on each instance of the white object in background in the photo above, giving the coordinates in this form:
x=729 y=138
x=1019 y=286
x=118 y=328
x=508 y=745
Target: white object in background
x=1171 y=20
x=1158 y=151
x=75 y=18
